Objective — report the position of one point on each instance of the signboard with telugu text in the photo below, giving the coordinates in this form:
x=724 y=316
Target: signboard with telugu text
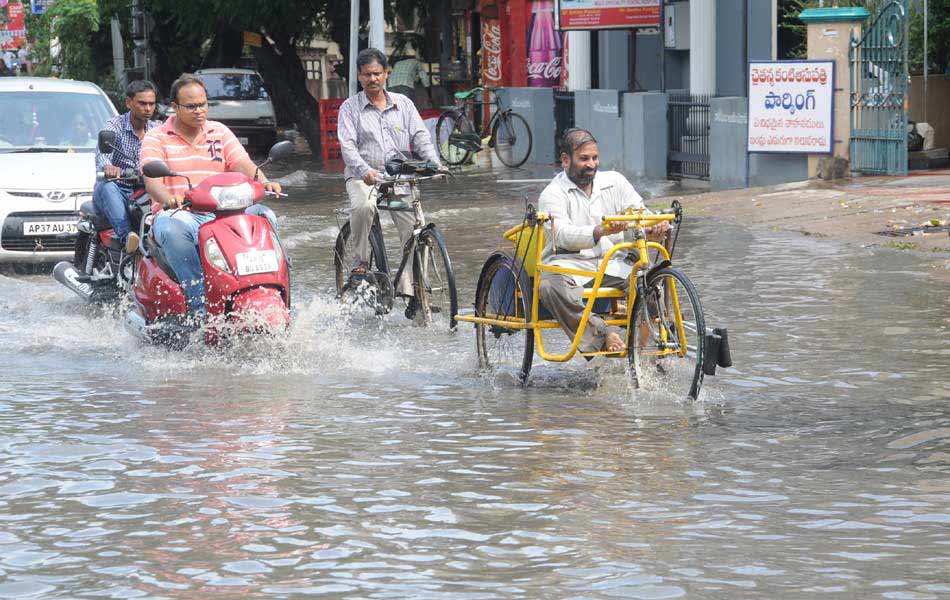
x=606 y=14
x=791 y=106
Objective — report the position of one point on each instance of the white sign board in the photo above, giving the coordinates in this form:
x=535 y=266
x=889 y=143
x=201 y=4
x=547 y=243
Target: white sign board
x=791 y=106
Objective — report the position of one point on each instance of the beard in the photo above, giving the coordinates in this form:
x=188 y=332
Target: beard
x=582 y=177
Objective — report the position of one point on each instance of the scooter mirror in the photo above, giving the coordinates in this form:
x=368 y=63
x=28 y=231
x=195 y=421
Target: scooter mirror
x=280 y=151
x=106 y=142
x=157 y=168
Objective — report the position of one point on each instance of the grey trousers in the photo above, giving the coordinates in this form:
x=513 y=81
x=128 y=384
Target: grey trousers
x=364 y=210
x=564 y=298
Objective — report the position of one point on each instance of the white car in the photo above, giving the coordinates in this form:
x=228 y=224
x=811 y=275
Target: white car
x=48 y=130
x=237 y=98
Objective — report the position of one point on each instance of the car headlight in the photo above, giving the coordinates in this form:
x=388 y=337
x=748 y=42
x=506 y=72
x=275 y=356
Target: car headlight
x=233 y=197
x=266 y=121
x=215 y=256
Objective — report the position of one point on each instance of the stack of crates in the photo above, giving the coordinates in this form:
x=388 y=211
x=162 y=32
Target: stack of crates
x=329 y=112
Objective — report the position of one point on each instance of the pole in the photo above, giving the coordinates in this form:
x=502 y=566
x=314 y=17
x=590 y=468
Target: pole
x=354 y=42
x=377 y=26
x=663 y=46
x=118 y=52
x=926 y=14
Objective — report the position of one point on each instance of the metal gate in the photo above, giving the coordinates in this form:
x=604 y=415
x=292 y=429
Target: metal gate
x=688 y=127
x=879 y=93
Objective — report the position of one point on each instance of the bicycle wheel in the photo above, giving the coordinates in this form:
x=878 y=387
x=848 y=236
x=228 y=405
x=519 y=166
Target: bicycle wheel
x=343 y=253
x=434 y=280
x=451 y=127
x=512 y=139
x=667 y=336
x=504 y=290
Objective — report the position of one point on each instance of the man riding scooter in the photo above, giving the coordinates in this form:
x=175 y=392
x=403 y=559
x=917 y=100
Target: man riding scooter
x=193 y=146
x=112 y=195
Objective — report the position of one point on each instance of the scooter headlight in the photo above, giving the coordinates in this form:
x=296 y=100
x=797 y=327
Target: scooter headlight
x=278 y=250
x=233 y=197
x=215 y=256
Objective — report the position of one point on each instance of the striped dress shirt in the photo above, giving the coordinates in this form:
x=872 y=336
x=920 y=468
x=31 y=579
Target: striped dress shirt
x=368 y=136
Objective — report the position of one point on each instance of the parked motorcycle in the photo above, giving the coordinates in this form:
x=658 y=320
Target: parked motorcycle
x=101 y=269
x=246 y=273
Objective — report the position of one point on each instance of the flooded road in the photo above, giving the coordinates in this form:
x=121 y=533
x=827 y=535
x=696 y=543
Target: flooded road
x=364 y=458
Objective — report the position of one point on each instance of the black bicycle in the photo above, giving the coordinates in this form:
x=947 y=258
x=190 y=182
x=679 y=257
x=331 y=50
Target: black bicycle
x=457 y=137
x=433 y=280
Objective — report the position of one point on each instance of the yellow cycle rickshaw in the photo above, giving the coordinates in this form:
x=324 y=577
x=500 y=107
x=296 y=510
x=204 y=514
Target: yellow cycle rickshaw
x=668 y=346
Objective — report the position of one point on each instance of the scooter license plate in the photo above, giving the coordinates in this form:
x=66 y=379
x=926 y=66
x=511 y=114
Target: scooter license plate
x=401 y=189
x=49 y=228
x=259 y=261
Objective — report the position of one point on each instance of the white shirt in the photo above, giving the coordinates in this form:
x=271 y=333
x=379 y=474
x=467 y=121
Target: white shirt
x=8 y=58
x=572 y=216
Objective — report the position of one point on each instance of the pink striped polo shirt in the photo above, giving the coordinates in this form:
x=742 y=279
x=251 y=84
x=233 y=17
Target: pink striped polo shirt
x=216 y=150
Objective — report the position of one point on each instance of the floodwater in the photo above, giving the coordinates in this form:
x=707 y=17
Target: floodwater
x=365 y=458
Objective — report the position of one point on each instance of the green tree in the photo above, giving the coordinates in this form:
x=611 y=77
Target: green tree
x=209 y=33
x=62 y=38
x=791 y=31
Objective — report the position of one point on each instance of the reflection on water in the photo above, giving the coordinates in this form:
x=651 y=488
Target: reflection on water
x=364 y=457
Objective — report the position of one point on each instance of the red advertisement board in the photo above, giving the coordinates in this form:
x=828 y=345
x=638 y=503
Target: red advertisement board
x=13 y=34
x=607 y=14
x=491 y=53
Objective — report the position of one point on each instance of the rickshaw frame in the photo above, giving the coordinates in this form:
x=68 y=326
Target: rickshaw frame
x=638 y=219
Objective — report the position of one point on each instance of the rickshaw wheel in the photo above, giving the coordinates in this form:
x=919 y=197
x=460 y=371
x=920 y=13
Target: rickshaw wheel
x=504 y=290
x=654 y=339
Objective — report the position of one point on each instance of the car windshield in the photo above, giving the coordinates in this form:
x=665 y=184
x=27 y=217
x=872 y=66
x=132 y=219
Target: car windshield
x=234 y=86
x=54 y=121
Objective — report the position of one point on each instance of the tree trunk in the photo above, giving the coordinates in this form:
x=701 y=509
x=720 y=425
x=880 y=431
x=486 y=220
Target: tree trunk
x=226 y=47
x=286 y=83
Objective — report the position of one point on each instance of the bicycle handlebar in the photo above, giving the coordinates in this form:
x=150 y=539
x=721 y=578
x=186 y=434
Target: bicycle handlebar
x=424 y=168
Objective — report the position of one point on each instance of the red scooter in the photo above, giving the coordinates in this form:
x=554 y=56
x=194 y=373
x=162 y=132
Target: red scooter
x=247 y=279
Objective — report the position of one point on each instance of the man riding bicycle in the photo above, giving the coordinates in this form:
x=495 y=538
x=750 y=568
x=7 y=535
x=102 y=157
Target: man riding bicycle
x=372 y=126
x=576 y=201
x=111 y=197
x=194 y=146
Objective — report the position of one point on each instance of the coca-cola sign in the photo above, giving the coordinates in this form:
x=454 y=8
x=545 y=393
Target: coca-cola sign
x=548 y=70
x=544 y=46
x=491 y=52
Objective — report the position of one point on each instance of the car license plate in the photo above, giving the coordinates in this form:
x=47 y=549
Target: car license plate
x=49 y=228
x=261 y=261
x=243 y=141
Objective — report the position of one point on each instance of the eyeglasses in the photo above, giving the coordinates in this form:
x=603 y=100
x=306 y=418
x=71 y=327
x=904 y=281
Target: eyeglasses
x=193 y=107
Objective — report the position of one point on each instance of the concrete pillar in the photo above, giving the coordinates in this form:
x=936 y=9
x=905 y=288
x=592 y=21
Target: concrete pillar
x=644 y=134
x=829 y=37
x=702 y=47
x=536 y=105
x=598 y=111
x=578 y=60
